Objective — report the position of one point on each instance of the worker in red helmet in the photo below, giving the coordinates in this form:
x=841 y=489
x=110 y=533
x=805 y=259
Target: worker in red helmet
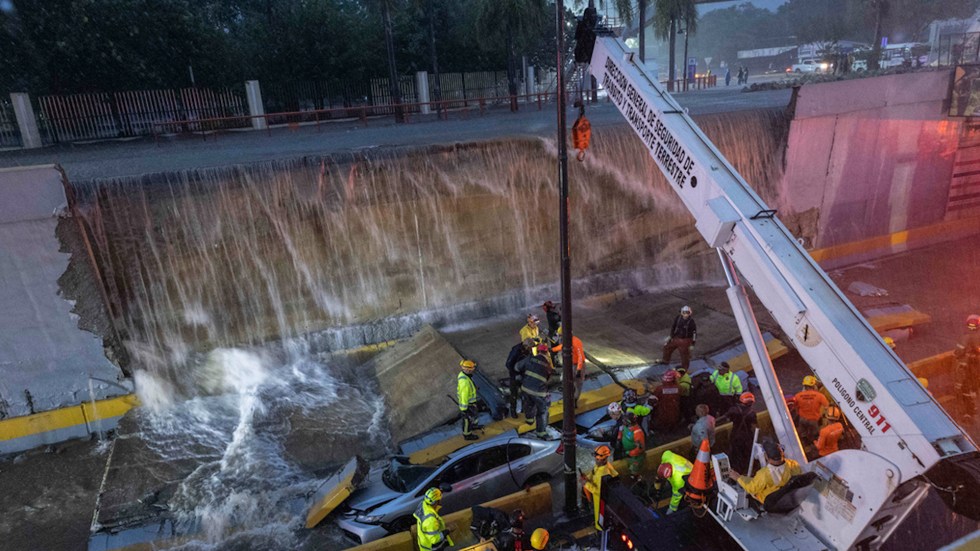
x=673 y=468
x=740 y=439
x=967 y=353
x=667 y=414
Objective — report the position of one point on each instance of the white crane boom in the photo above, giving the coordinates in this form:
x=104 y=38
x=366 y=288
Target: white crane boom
x=900 y=424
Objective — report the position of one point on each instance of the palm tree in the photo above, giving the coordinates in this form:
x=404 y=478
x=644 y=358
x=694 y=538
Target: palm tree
x=668 y=14
x=515 y=22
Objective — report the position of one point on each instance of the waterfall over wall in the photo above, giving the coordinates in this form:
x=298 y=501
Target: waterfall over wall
x=243 y=254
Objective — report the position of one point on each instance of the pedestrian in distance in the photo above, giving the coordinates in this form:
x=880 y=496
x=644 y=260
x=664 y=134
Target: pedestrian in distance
x=466 y=397
x=682 y=337
x=728 y=76
x=739 y=76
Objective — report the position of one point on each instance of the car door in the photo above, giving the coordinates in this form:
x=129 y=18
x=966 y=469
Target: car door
x=456 y=473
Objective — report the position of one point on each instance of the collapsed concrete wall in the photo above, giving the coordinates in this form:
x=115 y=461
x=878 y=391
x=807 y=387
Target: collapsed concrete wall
x=46 y=361
x=869 y=157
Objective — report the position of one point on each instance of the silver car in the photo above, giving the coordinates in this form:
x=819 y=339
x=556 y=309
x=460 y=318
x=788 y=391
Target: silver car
x=483 y=471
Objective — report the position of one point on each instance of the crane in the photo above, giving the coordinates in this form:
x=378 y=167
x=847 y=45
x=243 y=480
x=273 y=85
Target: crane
x=908 y=442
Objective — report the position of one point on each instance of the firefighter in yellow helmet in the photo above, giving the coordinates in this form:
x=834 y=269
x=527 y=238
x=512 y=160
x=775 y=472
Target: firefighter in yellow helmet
x=466 y=398
x=593 y=481
x=432 y=532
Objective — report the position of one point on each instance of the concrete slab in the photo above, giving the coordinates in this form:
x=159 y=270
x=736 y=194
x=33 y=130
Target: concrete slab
x=415 y=376
x=46 y=361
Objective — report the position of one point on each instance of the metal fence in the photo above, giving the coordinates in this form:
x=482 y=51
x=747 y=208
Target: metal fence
x=9 y=131
x=959 y=49
x=127 y=114
x=294 y=97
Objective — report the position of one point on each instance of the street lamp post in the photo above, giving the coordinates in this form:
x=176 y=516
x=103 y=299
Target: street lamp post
x=568 y=388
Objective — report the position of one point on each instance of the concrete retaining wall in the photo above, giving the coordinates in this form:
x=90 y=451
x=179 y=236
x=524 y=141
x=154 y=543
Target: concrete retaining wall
x=46 y=361
x=870 y=157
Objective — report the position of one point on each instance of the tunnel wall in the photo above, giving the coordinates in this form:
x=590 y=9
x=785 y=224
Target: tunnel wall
x=47 y=361
x=870 y=157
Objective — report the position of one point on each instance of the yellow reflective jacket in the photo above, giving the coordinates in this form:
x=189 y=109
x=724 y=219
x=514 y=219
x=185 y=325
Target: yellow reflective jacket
x=430 y=527
x=593 y=487
x=465 y=391
x=763 y=483
x=528 y=332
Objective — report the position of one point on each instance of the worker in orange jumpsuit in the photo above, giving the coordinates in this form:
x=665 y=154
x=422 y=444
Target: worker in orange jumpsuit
x=668 y=411
x=578 y=361
x=810 y=405
x=830 y=432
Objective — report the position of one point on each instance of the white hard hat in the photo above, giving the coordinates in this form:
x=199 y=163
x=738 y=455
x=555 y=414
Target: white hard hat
x=614 y=408
x=686 y=308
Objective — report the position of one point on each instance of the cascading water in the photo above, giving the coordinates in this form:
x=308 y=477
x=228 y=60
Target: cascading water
x=233 y=285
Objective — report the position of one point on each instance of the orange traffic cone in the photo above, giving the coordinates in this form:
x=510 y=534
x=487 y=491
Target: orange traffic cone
x=700 y=481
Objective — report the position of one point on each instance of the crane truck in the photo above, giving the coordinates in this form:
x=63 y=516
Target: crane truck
x=908 y=442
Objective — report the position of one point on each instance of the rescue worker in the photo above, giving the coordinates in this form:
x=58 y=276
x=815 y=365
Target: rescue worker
x=593 y=481
x=687 y=404
x=466 y=398
x=578 y=362
x=673 y=468
x=631 y=402
x=810 y=405
x=530 y=331
x=534 y=371
x=830 y=432
x=633 y=442
x=703 y=429
x=517 y=353
x=683 y=334
x=610 y=434
x=728 y=384
x=967 y=353
x=770 y=478
x=432 y=532
x=743 y=432
x=553 y=316
x=668 y=411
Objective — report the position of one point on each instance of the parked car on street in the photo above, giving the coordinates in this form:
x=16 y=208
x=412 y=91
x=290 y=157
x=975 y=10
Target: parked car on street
x=809 y=66
x=483 y=471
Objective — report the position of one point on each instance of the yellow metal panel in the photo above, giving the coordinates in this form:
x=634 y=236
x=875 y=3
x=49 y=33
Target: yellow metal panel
x=337 y=489
x=46 y=421
x=586 y=402
x=932 y=366
x=885 y=322
x=775 y=347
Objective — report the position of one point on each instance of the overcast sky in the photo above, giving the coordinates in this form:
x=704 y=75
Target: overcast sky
x=767 y=4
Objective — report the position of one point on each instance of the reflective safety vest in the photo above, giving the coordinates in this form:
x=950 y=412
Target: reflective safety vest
x=535 y=376
x=430 y=527
x=727 y=385
x=633 y=440
x=528 y=332
x=681 y=468
x=593 y=488
x=578 y=353
x=465 y=391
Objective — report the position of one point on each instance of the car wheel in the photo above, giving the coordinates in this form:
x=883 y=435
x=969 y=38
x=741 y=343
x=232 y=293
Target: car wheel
x=534 y=480
x=799 y=71
x=401 y=525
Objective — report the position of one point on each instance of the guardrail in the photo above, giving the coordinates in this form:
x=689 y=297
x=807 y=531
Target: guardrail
x=406 y=112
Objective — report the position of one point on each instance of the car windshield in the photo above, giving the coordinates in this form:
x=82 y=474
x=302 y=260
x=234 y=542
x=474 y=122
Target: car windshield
x=402 y=475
